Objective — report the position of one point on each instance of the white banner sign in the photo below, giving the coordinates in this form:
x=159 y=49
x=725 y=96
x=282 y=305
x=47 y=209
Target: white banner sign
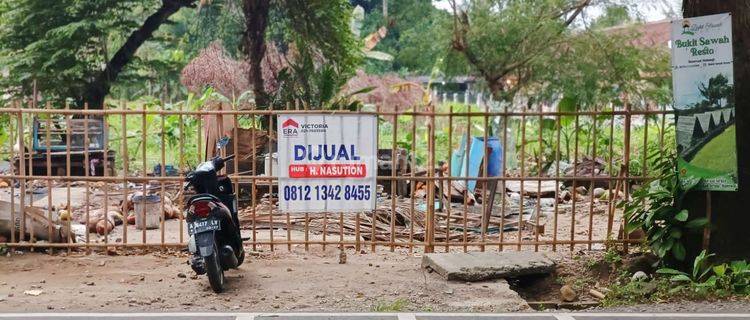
x=327 y=163
x=703 y=83
x=701 y=50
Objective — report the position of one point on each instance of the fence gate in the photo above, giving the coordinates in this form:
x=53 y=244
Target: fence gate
x=449 y=177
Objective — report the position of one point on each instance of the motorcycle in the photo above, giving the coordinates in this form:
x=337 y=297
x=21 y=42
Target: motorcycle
x=213 y=226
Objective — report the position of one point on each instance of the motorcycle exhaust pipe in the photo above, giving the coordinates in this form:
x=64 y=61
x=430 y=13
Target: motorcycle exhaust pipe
x=228 y=258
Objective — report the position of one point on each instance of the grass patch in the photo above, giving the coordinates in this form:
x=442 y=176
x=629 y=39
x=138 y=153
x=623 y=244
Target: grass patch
x=624 y=291
x=718 y=154
x=397 y=305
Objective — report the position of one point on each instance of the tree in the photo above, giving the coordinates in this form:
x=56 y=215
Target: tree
x=316 y=28
x=76 y=49
x=540 y=50
x=718 y=88
x=418 y=37
x=614 y=15
x=505 y=40
x=156 y=69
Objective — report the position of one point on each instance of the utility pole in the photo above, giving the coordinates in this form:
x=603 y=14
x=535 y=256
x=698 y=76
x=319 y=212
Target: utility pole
x=730 y=218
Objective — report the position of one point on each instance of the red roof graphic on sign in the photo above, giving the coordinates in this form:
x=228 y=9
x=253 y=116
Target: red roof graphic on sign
x=290 y=123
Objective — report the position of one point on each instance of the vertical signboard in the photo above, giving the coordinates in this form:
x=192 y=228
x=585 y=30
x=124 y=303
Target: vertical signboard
x=703 y=86
x=327 y=163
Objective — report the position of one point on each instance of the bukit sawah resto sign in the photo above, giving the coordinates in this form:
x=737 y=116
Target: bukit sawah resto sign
x=327 y=162
x=703 y=88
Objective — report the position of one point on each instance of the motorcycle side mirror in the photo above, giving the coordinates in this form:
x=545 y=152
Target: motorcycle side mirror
x=223 y=142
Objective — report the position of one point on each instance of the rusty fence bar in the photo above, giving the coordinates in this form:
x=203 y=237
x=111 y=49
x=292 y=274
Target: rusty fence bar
x=79 y=178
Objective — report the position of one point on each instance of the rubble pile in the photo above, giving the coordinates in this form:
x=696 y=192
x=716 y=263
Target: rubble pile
x=526 y=207
x=79 y=208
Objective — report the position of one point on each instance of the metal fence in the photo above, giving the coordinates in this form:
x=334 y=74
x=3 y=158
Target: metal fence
x=562 y=175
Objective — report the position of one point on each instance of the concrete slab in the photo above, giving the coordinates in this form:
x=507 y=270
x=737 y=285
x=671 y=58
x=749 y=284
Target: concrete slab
x=485 y=296
x=478 y=266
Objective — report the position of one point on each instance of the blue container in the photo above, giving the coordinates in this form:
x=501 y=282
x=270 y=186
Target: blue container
x=494 y=163
x=458 y=159
x=170 y=170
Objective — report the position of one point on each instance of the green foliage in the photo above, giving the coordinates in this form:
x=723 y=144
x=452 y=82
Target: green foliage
x=511 y=31
x=63 y=44
x=703 y=280
x=316 y=86
x=181 y=133
x=612 y=256
x=418 y=36
x=194 y=30
x=657 y=208
x=614 y=15
x=534 y=49
x=320 y=27
x=709 y=279
x=624 y=291
x=593 y=137
x=419 y=138
x=5 y=144
x=599 y=67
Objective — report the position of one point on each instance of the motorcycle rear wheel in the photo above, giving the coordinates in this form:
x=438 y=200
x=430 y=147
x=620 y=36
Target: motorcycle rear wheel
x=215 y=271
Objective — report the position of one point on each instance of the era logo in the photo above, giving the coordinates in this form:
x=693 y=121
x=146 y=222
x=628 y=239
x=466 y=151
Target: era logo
x=289 y=128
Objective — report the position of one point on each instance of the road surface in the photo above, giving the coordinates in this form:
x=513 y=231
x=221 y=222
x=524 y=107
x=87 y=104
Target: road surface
x=372 y=316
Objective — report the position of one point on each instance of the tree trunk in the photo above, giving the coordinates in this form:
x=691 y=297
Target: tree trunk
x=256 y=22
x=98 y=89
x=729 y=218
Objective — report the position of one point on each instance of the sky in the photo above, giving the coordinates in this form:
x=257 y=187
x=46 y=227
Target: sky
x=648 y=10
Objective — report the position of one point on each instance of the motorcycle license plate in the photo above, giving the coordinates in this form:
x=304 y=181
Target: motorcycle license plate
x=203 y=226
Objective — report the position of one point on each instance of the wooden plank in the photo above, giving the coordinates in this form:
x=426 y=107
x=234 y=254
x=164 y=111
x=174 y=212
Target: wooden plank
x=531 y=188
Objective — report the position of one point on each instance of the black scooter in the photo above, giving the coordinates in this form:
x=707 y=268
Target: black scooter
x=212 y=221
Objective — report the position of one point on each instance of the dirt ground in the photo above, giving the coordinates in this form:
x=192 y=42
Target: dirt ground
x=293 y=281
x=279 y=281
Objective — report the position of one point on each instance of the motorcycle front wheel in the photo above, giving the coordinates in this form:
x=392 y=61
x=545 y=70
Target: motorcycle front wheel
x=215 y=271
x=241 y=258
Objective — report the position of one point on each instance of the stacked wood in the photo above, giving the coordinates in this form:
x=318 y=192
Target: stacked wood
x=408 y=222
x=533 y=189
x=455 y=191
x=588 y=167
x=245 y=152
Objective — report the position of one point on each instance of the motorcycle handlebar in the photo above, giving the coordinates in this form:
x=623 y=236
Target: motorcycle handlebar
x=188 y=181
